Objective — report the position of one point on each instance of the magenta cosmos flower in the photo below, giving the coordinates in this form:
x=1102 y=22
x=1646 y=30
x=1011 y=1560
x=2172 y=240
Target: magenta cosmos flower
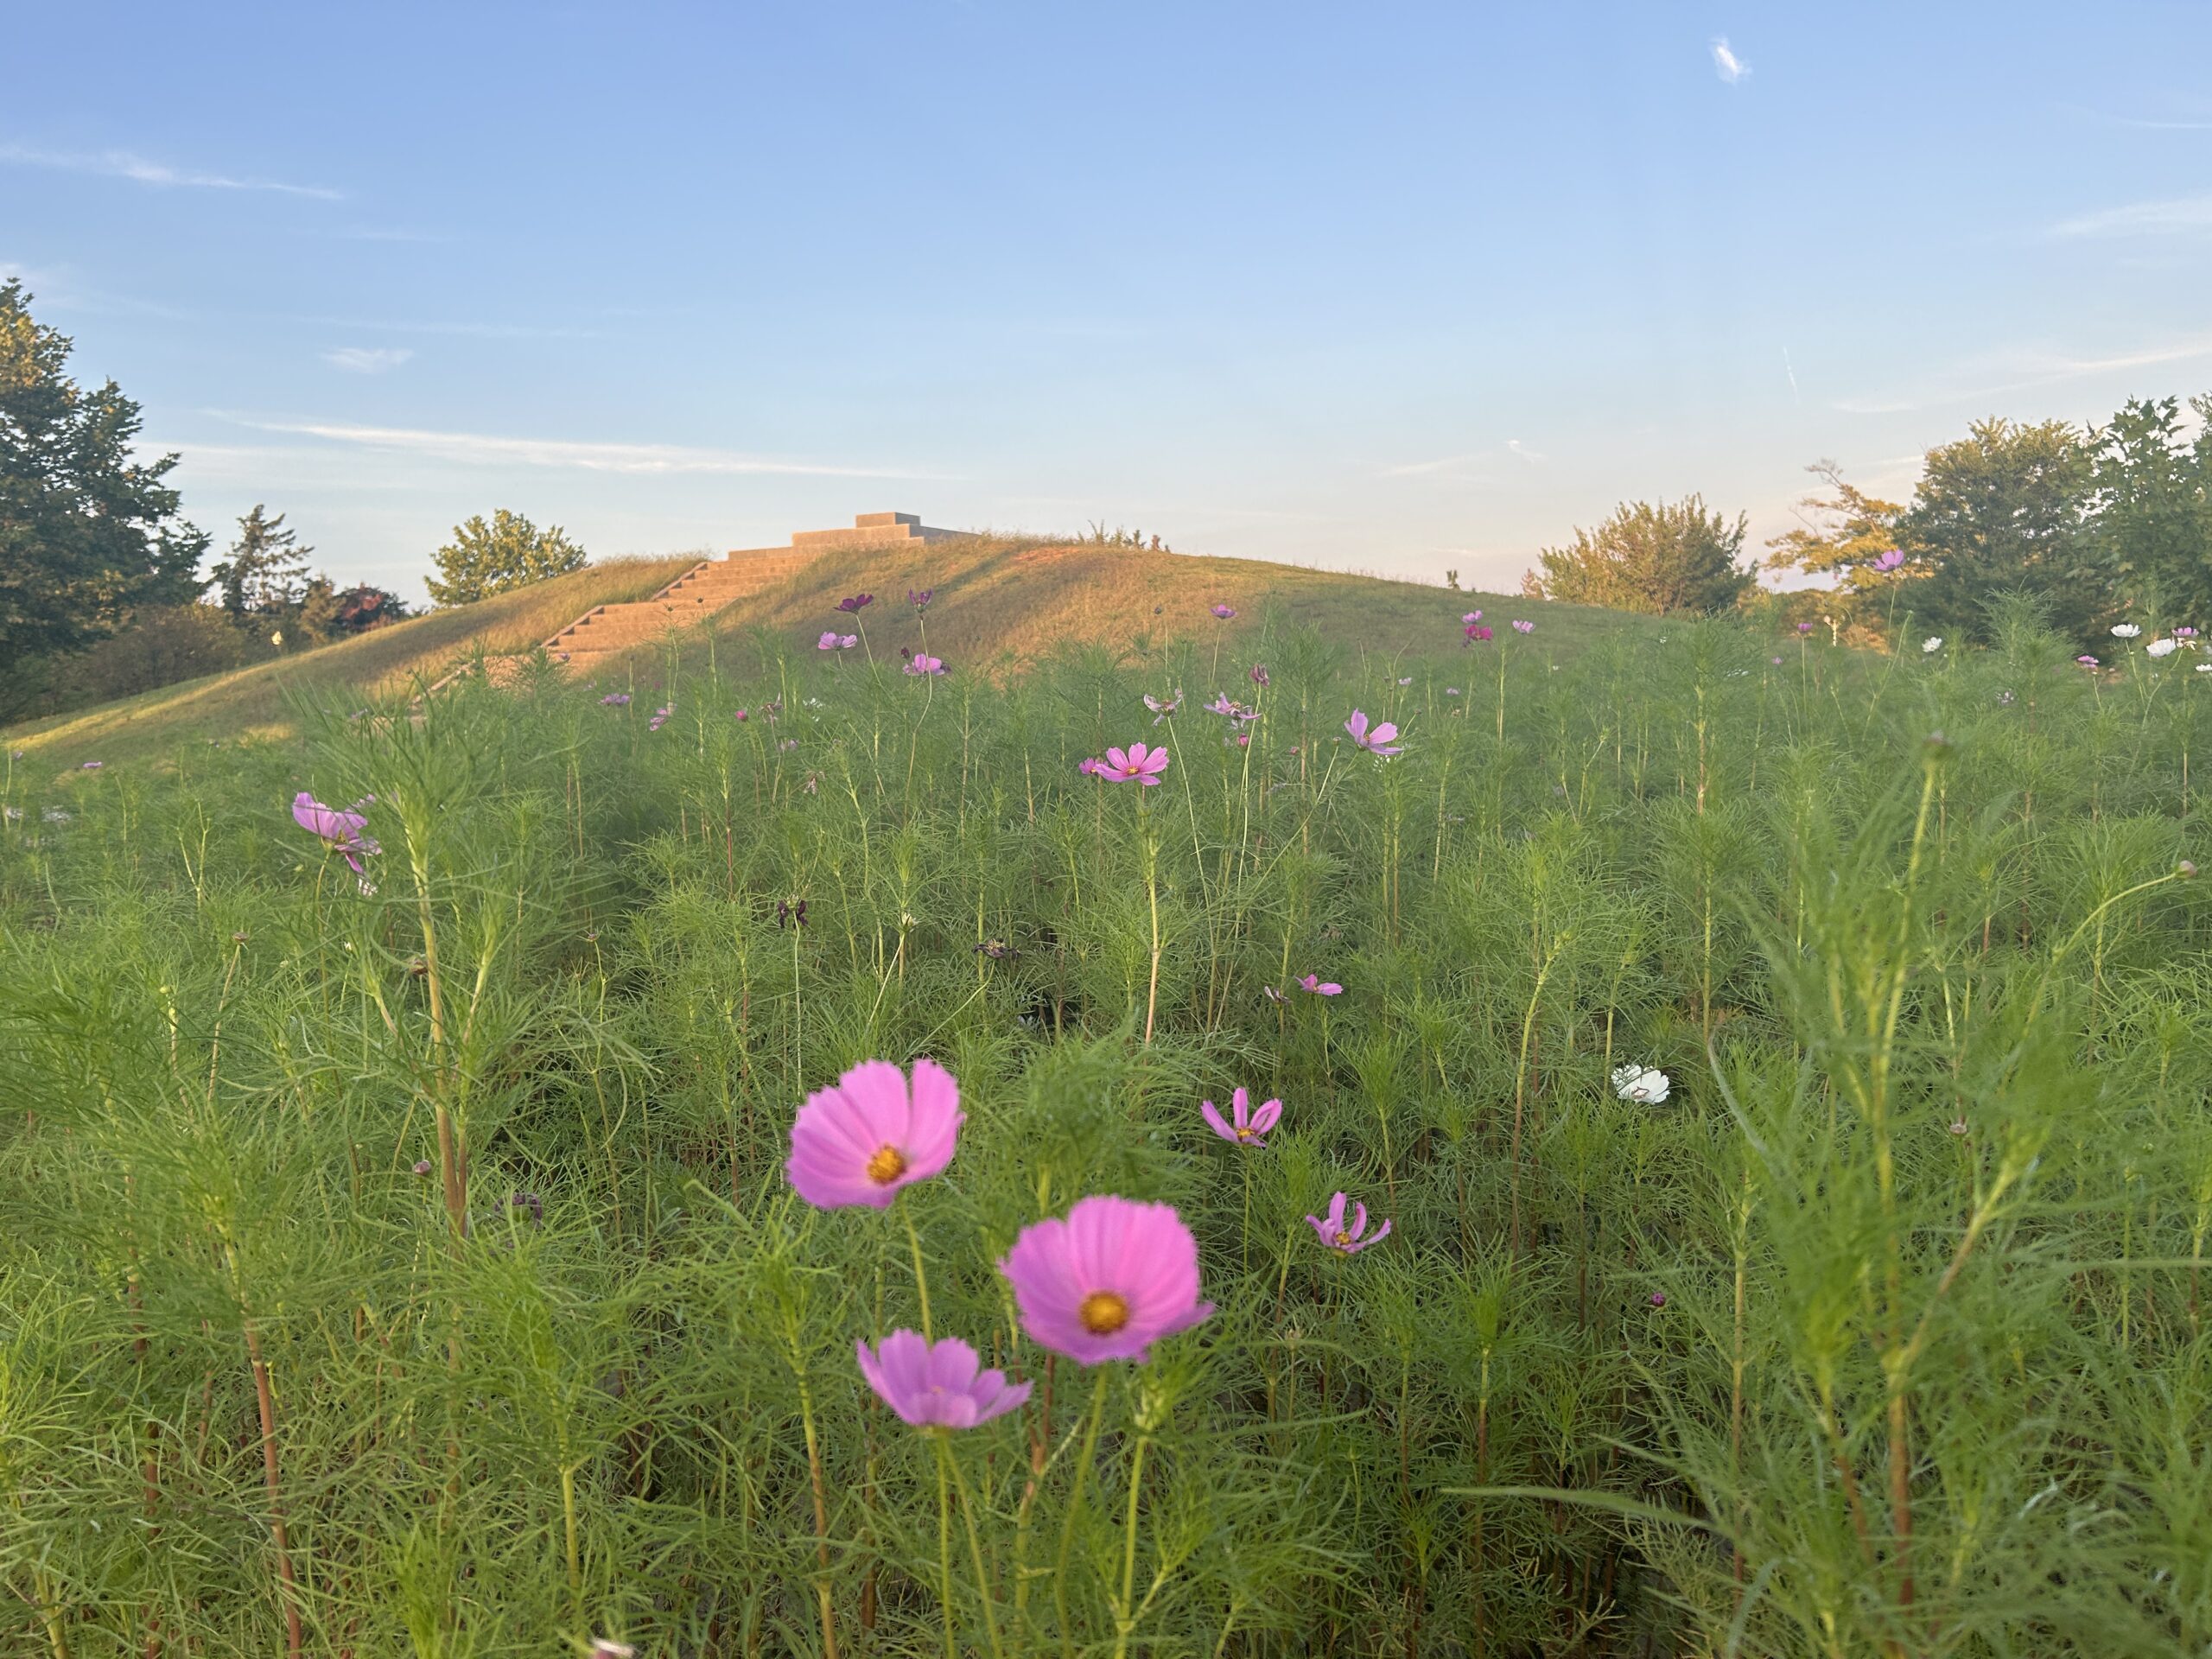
x=1320 y=987
x=1136 y=762
x=1224 y=612
x=869 y=1134
x=1377 y=741
x=936 y=1385
x=926 y=664
x=1891 y=560
x=856 y=604
x=1108 y=1283
x=341 y=830
x=1477 y=632
x=1244 y=1127
x=1348 y=1235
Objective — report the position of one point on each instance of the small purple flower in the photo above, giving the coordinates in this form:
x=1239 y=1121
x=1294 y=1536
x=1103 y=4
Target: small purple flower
x=1258 y=674
x=742 y=716
x=938 y=1384
x=2087 y=661
x=926 y=664
x=1472 y=617
x=1320 y=987
x=1091 y=766
x=1243 y=1127
x=422 y=1167
x=920 y=601
x=1804 y=627
x=2184 y=633
x=615 y=700
x=1658 y=1298
x=1889 y=560
x=1273 y=995
x=1479 y=633
x=1519 y=626
x=857 y=603
x=787 y=745
x=827 y=641
x=340 y=831
x=1224 y=612
x=93 y=766
x=1162 y=706
x=660 y=717
x=1378 y=742
x=1347 y=1235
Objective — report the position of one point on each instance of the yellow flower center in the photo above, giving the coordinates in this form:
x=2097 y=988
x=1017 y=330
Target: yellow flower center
x=887 y=1166
x=1343 y=1239
x=1244 y=1135
x=1103 y=1312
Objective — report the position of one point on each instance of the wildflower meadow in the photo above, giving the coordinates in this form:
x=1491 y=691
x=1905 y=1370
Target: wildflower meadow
x=1696 y=1145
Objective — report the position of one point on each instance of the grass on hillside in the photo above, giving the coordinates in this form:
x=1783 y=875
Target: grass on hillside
x=1792 y=1125
x=257 y=702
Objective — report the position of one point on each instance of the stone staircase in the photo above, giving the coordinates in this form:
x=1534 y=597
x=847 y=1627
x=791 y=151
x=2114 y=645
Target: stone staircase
x=601 y=634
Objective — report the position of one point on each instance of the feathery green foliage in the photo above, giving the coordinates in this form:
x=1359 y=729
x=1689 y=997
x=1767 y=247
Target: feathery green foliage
x=1881 y=1335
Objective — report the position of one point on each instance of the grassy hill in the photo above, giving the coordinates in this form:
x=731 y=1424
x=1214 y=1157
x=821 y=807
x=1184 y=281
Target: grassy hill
x=1000 y=601
x=251 y=702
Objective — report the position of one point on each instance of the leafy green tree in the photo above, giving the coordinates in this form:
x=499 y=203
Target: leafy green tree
x=2151 y=494
x=88 y=533
x=2004 y=510
x=1657 y=559
x=510 y=552
x=262 y=576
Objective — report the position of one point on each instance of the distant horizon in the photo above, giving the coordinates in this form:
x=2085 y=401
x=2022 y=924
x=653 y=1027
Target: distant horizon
x=1390 y=293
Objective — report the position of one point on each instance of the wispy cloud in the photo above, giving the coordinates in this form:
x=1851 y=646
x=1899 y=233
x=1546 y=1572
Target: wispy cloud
x=1430 y=468
x=2143 y=123
x=1534 y=457
x=2022 y=368
x=1729 y=68
x=2184 y=216
x=123 y=164
x=1475 y=465
x=367 y=359
x=484 y=449
x=471 y=330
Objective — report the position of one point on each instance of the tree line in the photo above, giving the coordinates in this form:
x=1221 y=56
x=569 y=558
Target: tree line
x=2091 y=524
x=101 y=590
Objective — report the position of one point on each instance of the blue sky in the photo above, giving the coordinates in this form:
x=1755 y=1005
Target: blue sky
x=1383 y=287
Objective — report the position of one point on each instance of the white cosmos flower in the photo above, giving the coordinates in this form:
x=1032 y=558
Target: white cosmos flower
x=1932 y=644
x=2204 y=668
x=2162 y=647
x=2126 y=630
x=1645 y=1085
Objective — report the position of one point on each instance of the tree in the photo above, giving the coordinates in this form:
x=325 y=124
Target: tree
x=510 y=552
x=329 y=611
x=88 y=533
x=266 y=563
x=2150 y=501
x=1842 y=533
x=2003 y=510
x=1656 y=559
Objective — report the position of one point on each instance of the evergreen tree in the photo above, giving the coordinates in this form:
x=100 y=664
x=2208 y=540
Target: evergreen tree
x=260 y=578
x=88 y=533
x=510 y=552
x=1657 y=558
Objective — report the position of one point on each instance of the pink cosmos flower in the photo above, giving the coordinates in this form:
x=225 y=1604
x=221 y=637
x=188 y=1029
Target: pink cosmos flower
x=1244 y=1127
x=923 y=665
x=827 y=641
x=1108 y=1283
x=91 y=765
x=1162 y=706
x=1472 y=616
x=1258 y=674
x=856 y=603
x=1520 y=626
x=338 y=830
x=1377 y=742
x=1144 y=765
x=869 y=1134
x=1224 y=612
x=1321 y=987
x=1091 y=766
x=742 y=716
x=615 y=700
x=660 y=717
x=1346 y=1237
x=936 y=1385
x=1479 y=633
x=2086 y=662
x=1891 y=560
x=1242 y=740
x=1804 y=627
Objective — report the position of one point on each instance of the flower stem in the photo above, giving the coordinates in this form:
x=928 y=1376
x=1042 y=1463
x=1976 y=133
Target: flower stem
x=921 y=1278
x=1075 y=1506
x=975 y=1543
x=944 y=1546
x=1127 y=1620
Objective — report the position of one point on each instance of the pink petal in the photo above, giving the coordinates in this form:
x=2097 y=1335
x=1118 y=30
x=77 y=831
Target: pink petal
x=1212 y=1115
